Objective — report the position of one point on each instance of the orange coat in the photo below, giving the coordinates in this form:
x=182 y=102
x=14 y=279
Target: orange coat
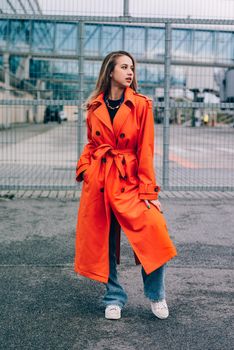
x=119 y=174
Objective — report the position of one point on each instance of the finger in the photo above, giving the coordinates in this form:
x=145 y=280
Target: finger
x=157 y=205
x=147 y=203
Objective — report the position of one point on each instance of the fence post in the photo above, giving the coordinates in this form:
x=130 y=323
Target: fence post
x=166 y=126
x=126 y=8
x=6 y=79
x=81 y=89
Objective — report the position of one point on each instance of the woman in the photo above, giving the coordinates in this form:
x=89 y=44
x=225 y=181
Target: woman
x=119 y=188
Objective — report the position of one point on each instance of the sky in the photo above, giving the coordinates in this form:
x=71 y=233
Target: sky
x=210 y=9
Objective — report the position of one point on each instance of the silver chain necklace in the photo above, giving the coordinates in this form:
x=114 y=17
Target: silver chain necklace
x=113 y=108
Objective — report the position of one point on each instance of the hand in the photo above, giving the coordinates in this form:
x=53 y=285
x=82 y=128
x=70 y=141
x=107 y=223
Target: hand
x=155 y=202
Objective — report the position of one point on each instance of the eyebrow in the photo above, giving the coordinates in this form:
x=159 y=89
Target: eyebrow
x=125 y=64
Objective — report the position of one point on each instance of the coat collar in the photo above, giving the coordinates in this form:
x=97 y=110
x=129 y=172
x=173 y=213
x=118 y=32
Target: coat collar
x=101 y=111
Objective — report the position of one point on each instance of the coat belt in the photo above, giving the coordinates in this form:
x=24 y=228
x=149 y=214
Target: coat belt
x=116 y=154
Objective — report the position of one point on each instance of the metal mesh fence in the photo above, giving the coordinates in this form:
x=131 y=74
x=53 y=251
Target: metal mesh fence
x=50 y=56
x=200 y=158
x=38 y=155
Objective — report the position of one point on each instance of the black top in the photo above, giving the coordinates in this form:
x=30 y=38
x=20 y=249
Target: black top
x=113 y=103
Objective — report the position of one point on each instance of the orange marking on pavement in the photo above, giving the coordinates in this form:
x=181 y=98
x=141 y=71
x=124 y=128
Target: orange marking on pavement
x=181 y=161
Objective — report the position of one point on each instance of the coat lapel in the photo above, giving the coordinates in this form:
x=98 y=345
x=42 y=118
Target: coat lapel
x=102 y=113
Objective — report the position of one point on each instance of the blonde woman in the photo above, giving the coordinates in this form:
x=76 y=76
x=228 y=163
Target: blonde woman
x=120 y=190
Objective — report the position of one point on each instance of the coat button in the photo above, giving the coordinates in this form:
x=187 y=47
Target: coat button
x=98 y=133
x=122 y=135
x=102 y=189
x=125 y=177
x=155 y=189
x=103 y=160
x=122 y=189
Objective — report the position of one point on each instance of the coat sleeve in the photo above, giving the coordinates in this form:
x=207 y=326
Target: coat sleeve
x=85 y=158
x=148 y=188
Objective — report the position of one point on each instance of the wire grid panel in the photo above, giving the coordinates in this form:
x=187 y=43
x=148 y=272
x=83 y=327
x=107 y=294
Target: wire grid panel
x=187 y=9
x=52 y=52
x=200 y=142
x=37 y=155
x=200 y=158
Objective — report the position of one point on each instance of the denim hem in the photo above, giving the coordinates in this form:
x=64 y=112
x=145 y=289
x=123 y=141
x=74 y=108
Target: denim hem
x=153 y=299
x=156 y=300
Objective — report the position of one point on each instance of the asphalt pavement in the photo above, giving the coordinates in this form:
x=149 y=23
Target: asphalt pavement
x=44 y=305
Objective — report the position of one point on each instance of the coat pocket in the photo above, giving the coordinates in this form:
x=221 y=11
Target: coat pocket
x=91 y=172
x=87 y=173
x=85 y=176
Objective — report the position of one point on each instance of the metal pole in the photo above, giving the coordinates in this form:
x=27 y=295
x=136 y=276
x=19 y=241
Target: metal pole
x=6 y=67
x=126 y=8
x=81 y=90
x=166 y=126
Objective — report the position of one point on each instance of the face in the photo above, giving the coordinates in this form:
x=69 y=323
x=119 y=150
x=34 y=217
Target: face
x=123 y=73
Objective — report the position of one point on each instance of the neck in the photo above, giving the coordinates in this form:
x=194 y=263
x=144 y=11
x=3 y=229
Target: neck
x=115 y=93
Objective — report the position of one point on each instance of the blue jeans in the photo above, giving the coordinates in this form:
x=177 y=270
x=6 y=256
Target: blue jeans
x=154 y=283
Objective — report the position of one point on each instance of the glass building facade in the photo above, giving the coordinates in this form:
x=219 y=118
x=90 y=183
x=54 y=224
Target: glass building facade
x=52 y=51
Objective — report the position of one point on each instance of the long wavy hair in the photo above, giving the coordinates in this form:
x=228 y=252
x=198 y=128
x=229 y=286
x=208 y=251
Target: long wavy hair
x=104 y=82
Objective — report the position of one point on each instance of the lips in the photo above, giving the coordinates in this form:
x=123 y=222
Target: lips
x=129 y=80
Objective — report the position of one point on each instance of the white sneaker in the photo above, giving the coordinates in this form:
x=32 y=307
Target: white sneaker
x=113 y=312
x=160 y=309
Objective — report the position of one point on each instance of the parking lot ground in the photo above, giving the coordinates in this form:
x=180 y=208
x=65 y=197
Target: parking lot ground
x=45 y=305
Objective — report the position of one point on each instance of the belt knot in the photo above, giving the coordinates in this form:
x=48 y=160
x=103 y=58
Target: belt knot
x=116 y=154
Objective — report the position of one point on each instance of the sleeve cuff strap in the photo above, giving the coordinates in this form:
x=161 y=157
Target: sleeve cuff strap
x=148 y=191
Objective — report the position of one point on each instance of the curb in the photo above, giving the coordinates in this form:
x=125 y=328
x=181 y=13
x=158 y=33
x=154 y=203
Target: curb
x=75 y=195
